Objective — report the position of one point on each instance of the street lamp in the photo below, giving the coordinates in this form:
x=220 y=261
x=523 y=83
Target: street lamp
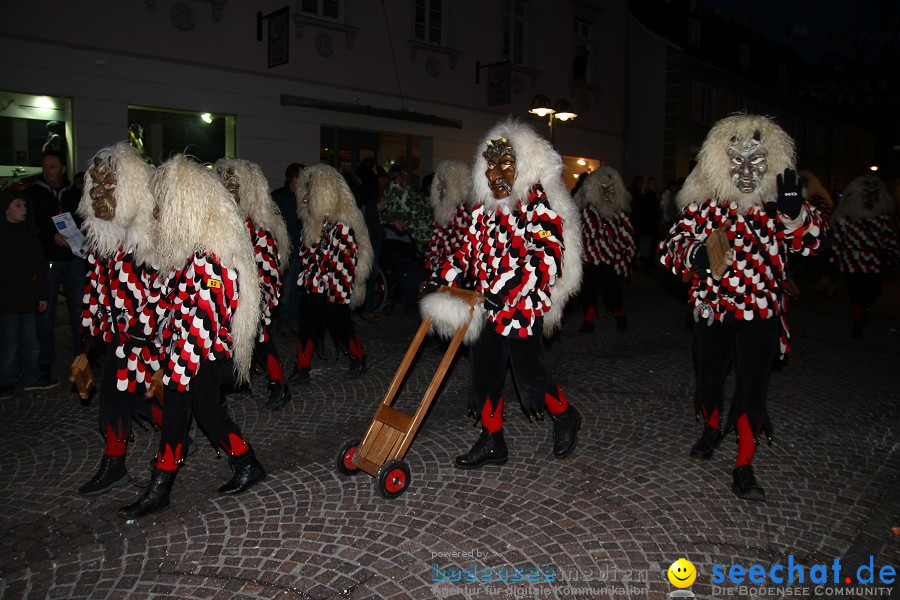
x=562 y=111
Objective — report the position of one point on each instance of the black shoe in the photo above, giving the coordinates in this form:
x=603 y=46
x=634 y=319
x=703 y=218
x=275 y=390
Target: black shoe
x=707 y=444
x=357 y=367
x=279 y=395
x=7 y=392
x=300 y=375
x=155 y=497
x=112 y=473
x=622 y=323
x=565 y=431
x=745 y=485
x=247 y=471
x=587 y=327
x=489 y=449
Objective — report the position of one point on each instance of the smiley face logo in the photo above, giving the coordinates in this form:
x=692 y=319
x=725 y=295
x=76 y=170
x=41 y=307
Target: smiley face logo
x=682 y=573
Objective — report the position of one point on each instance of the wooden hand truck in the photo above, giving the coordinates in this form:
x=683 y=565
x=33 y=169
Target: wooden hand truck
x=381 y=452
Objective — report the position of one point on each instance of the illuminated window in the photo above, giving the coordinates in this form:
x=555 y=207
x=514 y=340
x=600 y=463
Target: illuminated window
x=29 y=124
x=162 y=132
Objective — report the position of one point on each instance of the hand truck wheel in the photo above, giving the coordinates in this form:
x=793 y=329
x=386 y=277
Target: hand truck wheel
x=344 y=458
x=393 y=479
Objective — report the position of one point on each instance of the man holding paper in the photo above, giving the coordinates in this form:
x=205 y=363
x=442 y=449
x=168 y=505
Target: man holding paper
x=51 y=202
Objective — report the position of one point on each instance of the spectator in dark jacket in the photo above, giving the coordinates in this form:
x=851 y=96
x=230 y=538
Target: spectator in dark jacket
x=23 y=293
x=49 y=197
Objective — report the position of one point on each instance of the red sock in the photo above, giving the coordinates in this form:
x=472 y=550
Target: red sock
x=273 y=369
x=556 y=406
x=590 y=314
x=356 y=348
x=746 y=443
x=115 y=445
x=491 y=417
x=168 y=459
x=156 y=414
x=235 y=445
x=304 y=354
x=713 y=419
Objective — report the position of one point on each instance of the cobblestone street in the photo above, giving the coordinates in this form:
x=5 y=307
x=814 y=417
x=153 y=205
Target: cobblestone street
x=605 y=522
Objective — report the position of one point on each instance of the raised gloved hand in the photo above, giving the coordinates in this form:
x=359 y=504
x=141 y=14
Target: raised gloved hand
x=790 y=193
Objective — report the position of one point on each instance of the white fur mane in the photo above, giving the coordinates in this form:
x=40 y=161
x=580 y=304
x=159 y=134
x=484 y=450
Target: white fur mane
x=591 y=192
x=852 y=203
x=455 y=175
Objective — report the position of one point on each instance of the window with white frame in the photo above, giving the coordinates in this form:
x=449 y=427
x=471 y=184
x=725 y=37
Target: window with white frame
x=704 y=105
x=515 y=21
x=584 y=44
x=326 y=9
x=429 y=21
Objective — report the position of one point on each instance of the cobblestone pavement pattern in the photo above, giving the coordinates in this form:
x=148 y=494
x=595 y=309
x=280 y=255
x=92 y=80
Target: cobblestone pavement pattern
x=606 y=521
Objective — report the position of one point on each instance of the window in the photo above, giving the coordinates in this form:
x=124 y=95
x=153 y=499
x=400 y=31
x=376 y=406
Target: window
x=584 y=42
x=162 y=132
x=514 y=27
x=429 y=21
x=693 y=32
x=704 y=104
x=327 y=9
x=30 y=124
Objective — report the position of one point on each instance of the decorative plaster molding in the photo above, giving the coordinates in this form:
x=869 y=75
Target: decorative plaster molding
x=302 y=20
x=416 y=45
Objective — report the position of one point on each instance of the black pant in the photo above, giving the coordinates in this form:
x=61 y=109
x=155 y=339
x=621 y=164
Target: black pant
x=201 y=400
x=488 y=358
x=318 y=314
x=118 y=407
x=750 y=346
x=601 y=281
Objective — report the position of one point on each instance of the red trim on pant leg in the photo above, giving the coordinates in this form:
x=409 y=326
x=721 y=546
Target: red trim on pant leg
x=169 y=459
x=746 y=443
x=712 y=420
x=115 y=445
x=556 y=406
x=235 y=444
x=590 y=314
x=156 y=415
x=619 y=312
x=273 y=369
x=492 y=418
x=857 y=314
x=304 y=356
x=356 y=348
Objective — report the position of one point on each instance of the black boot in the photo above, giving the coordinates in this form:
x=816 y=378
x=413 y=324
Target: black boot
x=565 y=431
x=357 y=367
x=587 y=327
x=112 y=473
x=489 y=449
x=279 y=395
x=707 y=444
x=155 y=497
x=300 y=375
x=621 y=323
x=247 y=471
x=745 y=485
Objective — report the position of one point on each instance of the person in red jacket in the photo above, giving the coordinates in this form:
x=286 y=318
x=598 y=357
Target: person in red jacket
x=866 y=244
x=209 y=321
x=121 y=300
x=522 y=252
x=745 y=188
x=335 y=261
x=608 y=240
x=272 y=249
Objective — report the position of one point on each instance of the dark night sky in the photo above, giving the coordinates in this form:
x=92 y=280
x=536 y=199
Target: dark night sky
x=814 y=27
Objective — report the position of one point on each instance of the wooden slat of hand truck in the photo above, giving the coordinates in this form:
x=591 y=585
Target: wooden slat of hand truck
x=392 y=431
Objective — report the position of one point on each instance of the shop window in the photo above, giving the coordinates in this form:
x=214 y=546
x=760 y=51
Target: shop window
x=162 y=132
x=30 y=124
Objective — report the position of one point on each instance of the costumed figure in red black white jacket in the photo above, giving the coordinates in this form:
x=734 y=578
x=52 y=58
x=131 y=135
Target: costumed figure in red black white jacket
x=272 y=250
x=522 y=252
x=209 y=322
x=745 y=187
x=449 y=199
x=120 y=300
x=335 y=261
x=865 y=244
x=608 y=240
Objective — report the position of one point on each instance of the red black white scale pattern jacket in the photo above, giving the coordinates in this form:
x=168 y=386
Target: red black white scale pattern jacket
x=865 y=245
x=120 y=306
x=329 y=266
x=513 y=254
x=608 y=240
x=265 y=252
x=751 y=288
x=446 y=239
x=199 y=301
